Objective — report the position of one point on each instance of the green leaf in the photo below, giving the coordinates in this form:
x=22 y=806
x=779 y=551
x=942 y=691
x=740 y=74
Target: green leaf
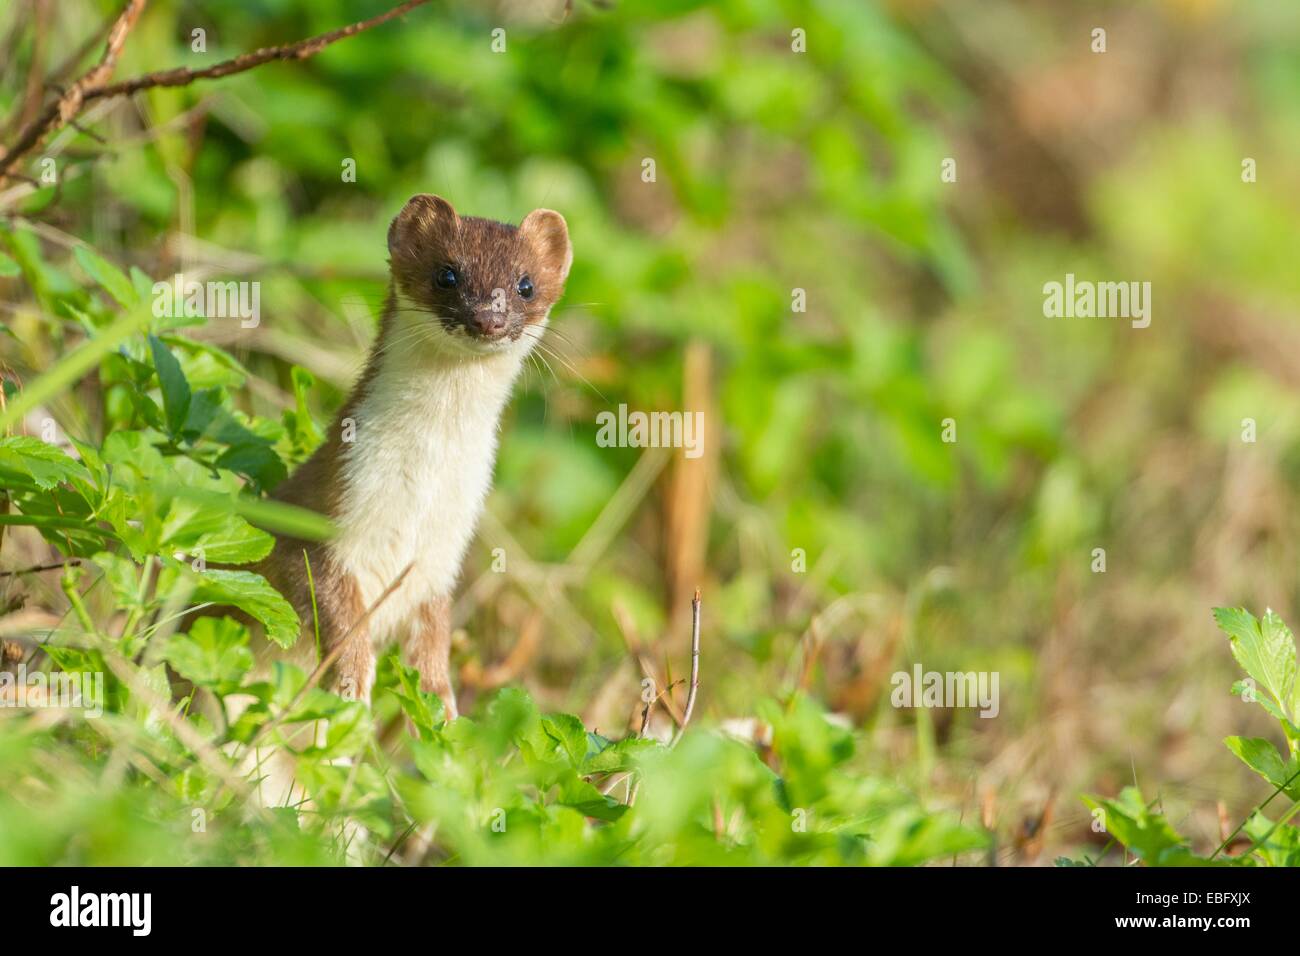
x=72 y=366
x=44 y=464
x=214 y=654
x=8 y=268
x=349 y=729
x=1143 y=832
x=209 y=525
x=48 y=282
x=205 y=365
x=253 y=595
x=109 y=276
x=1248 y=690
x=275 y=516
x=1262 y=757
x=205 y=404
x=618 y=757
x=298 y=423
x=569 y=735
x=910 y=836
x=76 y=660
x=424 y=709
x=175 y=389
x=257 y=460
x=1266 y=651
x=123 y=578
x=587 y=800
x=1278 y=845
x=142 y=284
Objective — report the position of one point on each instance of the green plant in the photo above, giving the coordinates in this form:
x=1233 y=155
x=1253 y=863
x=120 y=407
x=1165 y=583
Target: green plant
x=1266 y=651
x=176 y=484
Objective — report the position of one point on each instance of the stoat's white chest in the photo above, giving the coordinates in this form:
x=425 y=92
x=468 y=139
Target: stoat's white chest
x=415 y=476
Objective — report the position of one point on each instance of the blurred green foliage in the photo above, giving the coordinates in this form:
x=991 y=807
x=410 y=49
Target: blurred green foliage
x=775 y=171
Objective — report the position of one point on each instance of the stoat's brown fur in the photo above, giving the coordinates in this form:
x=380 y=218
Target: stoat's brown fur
x=406 y=465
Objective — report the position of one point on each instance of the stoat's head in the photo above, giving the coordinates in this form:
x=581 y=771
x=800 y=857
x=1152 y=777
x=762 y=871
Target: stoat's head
x=481 y=286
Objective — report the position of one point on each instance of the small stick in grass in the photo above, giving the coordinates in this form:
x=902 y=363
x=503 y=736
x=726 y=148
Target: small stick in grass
x=59 y=565
x=694 y=688
x=645 y=712
x=695 y=668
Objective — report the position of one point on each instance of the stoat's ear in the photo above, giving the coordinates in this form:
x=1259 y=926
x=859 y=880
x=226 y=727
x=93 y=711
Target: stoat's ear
x=422 y=220
x=549 y=234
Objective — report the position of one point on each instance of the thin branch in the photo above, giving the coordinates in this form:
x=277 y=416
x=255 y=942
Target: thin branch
x=94 y=85
x=635 y=648
x=66 y=107
x=645 y=712
x=695 y=667
x=181 y=76
x=40 y=567
x=87 y=132
x=64 y=69
x=690 y=696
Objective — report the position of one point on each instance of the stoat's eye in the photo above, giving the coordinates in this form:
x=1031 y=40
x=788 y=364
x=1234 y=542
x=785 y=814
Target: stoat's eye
x=525 y=287
x=446 y=278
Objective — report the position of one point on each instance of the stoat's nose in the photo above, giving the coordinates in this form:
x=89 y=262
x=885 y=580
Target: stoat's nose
x=490 y=323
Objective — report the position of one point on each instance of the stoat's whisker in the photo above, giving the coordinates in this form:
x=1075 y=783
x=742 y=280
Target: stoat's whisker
x=409 y=337
x=545 y=348
x=403 y=337
x=563 y=337
x=540 y=359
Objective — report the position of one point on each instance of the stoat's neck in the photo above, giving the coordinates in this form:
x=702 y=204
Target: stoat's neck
x=440 y=382
x=414 y=479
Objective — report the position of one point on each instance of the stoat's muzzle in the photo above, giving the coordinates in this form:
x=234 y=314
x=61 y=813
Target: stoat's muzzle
x=489 y=323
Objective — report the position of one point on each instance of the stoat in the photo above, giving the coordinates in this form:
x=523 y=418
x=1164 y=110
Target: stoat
x=407 y=464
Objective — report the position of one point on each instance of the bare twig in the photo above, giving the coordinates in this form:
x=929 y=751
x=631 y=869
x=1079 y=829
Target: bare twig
x=645 y=711
x=690 y=696
x=88 y=132
x=65 y=69
x=627 y=627
x=40 y=567
x=695 y=667
x=74 y=99
x=301 y=50
x=95 y=84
